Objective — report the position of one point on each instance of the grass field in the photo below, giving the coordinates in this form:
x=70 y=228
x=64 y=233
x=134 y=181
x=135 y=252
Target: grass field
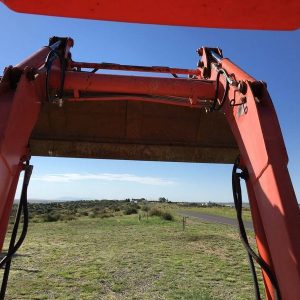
x=123 y=257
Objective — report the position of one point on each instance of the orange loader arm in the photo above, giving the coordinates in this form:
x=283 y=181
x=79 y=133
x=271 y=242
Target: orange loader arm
x=224 y=86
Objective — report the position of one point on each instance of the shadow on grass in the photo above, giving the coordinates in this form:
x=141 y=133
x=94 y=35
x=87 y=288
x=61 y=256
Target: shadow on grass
x=4 y=253
x=211 y=238
x=26 y=270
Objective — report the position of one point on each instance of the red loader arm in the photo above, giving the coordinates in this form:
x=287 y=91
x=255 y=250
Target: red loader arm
x=216 y=84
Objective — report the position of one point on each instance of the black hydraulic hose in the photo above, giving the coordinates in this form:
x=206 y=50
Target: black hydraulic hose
x=215 y=105
x=53 y=54
x=237 y=196
x=13 y=245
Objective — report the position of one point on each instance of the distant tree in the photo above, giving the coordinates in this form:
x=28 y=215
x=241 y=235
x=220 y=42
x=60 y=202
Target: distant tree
x=163 y=199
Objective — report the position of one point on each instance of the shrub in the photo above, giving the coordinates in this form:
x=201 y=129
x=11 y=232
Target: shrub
x=106 y=215
x=167 y=216
x=145 y=208
x=160 y=213
x=36 y=220
x=51 y=217
x=155 y=212
x=68 y=217
x=92 y=214
x=130 y=211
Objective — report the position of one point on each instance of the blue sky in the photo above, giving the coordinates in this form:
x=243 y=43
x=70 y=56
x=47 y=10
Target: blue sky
x=266 y=55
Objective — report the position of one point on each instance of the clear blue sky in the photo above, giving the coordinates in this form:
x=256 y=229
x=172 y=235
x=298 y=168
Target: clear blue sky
x=269 y=56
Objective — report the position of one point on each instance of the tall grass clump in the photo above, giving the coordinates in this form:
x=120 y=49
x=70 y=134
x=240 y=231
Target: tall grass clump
x=155 y=212
x=165 y=215
x=130 y=211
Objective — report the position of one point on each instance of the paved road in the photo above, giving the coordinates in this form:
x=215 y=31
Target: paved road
x=214 y=218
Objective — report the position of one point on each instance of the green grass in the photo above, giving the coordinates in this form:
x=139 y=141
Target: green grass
x=124 y=258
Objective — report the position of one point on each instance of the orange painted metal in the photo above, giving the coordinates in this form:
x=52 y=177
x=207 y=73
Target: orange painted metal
x=9 y=188
x=271 y=195
x=249 y=112
x=19 y=111
x=251 y=14
x=118 y=67
x=83 y=82
x=184 y=102
x=35 y=60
